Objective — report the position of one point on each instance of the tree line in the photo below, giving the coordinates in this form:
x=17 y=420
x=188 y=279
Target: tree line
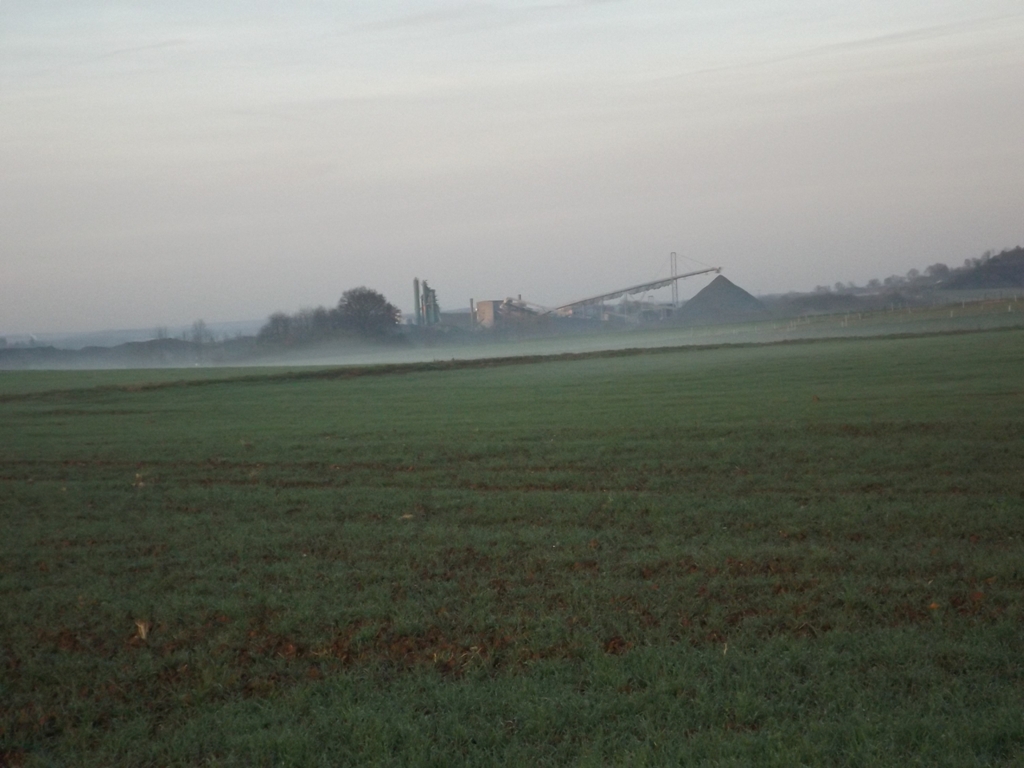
x=935 y=276
x=360 y=312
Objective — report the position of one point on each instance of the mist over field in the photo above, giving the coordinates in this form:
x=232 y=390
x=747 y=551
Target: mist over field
x=216 y=361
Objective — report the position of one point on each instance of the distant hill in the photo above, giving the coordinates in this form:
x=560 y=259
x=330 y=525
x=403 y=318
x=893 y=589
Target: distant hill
x=1005 y=270
x=156 y=353
x=719 y=303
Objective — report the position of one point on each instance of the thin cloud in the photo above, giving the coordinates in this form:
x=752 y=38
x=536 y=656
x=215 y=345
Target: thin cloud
x=72 y=62
x=117 y=52
x=447 y=16
x=922 y=34
x=908 y=36
x=476 y=15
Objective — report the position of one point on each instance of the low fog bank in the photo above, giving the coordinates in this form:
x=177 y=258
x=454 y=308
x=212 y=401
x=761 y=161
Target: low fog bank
x=365 y=329
x=71 y=340
x=411 y=347
x=975 y=316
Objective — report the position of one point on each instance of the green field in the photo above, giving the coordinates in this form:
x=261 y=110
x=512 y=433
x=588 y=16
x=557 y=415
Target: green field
x=776 y=555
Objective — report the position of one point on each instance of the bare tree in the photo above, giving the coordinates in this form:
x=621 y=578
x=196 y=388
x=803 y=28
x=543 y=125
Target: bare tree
x=200 y=333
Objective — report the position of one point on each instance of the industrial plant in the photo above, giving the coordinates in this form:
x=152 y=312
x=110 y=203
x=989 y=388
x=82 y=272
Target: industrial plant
x=720 y=302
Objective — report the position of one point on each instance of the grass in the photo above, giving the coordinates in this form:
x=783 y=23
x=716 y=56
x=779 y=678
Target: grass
x=778 y=555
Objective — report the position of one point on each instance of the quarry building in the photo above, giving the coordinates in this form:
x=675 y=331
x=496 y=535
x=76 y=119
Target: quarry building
x=720 y=302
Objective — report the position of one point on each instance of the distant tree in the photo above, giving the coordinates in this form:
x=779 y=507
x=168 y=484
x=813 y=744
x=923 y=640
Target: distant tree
x=937 y=271
x=874 y=284
x=366 y=312
x=302 y=325
x=277 y=330
x=322 y=321
x=200 y=333
x=360 y=311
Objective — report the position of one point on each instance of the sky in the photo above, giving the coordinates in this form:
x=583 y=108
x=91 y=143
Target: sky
x=165 y=162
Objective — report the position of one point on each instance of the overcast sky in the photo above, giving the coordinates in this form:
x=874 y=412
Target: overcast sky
x=163 y=162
